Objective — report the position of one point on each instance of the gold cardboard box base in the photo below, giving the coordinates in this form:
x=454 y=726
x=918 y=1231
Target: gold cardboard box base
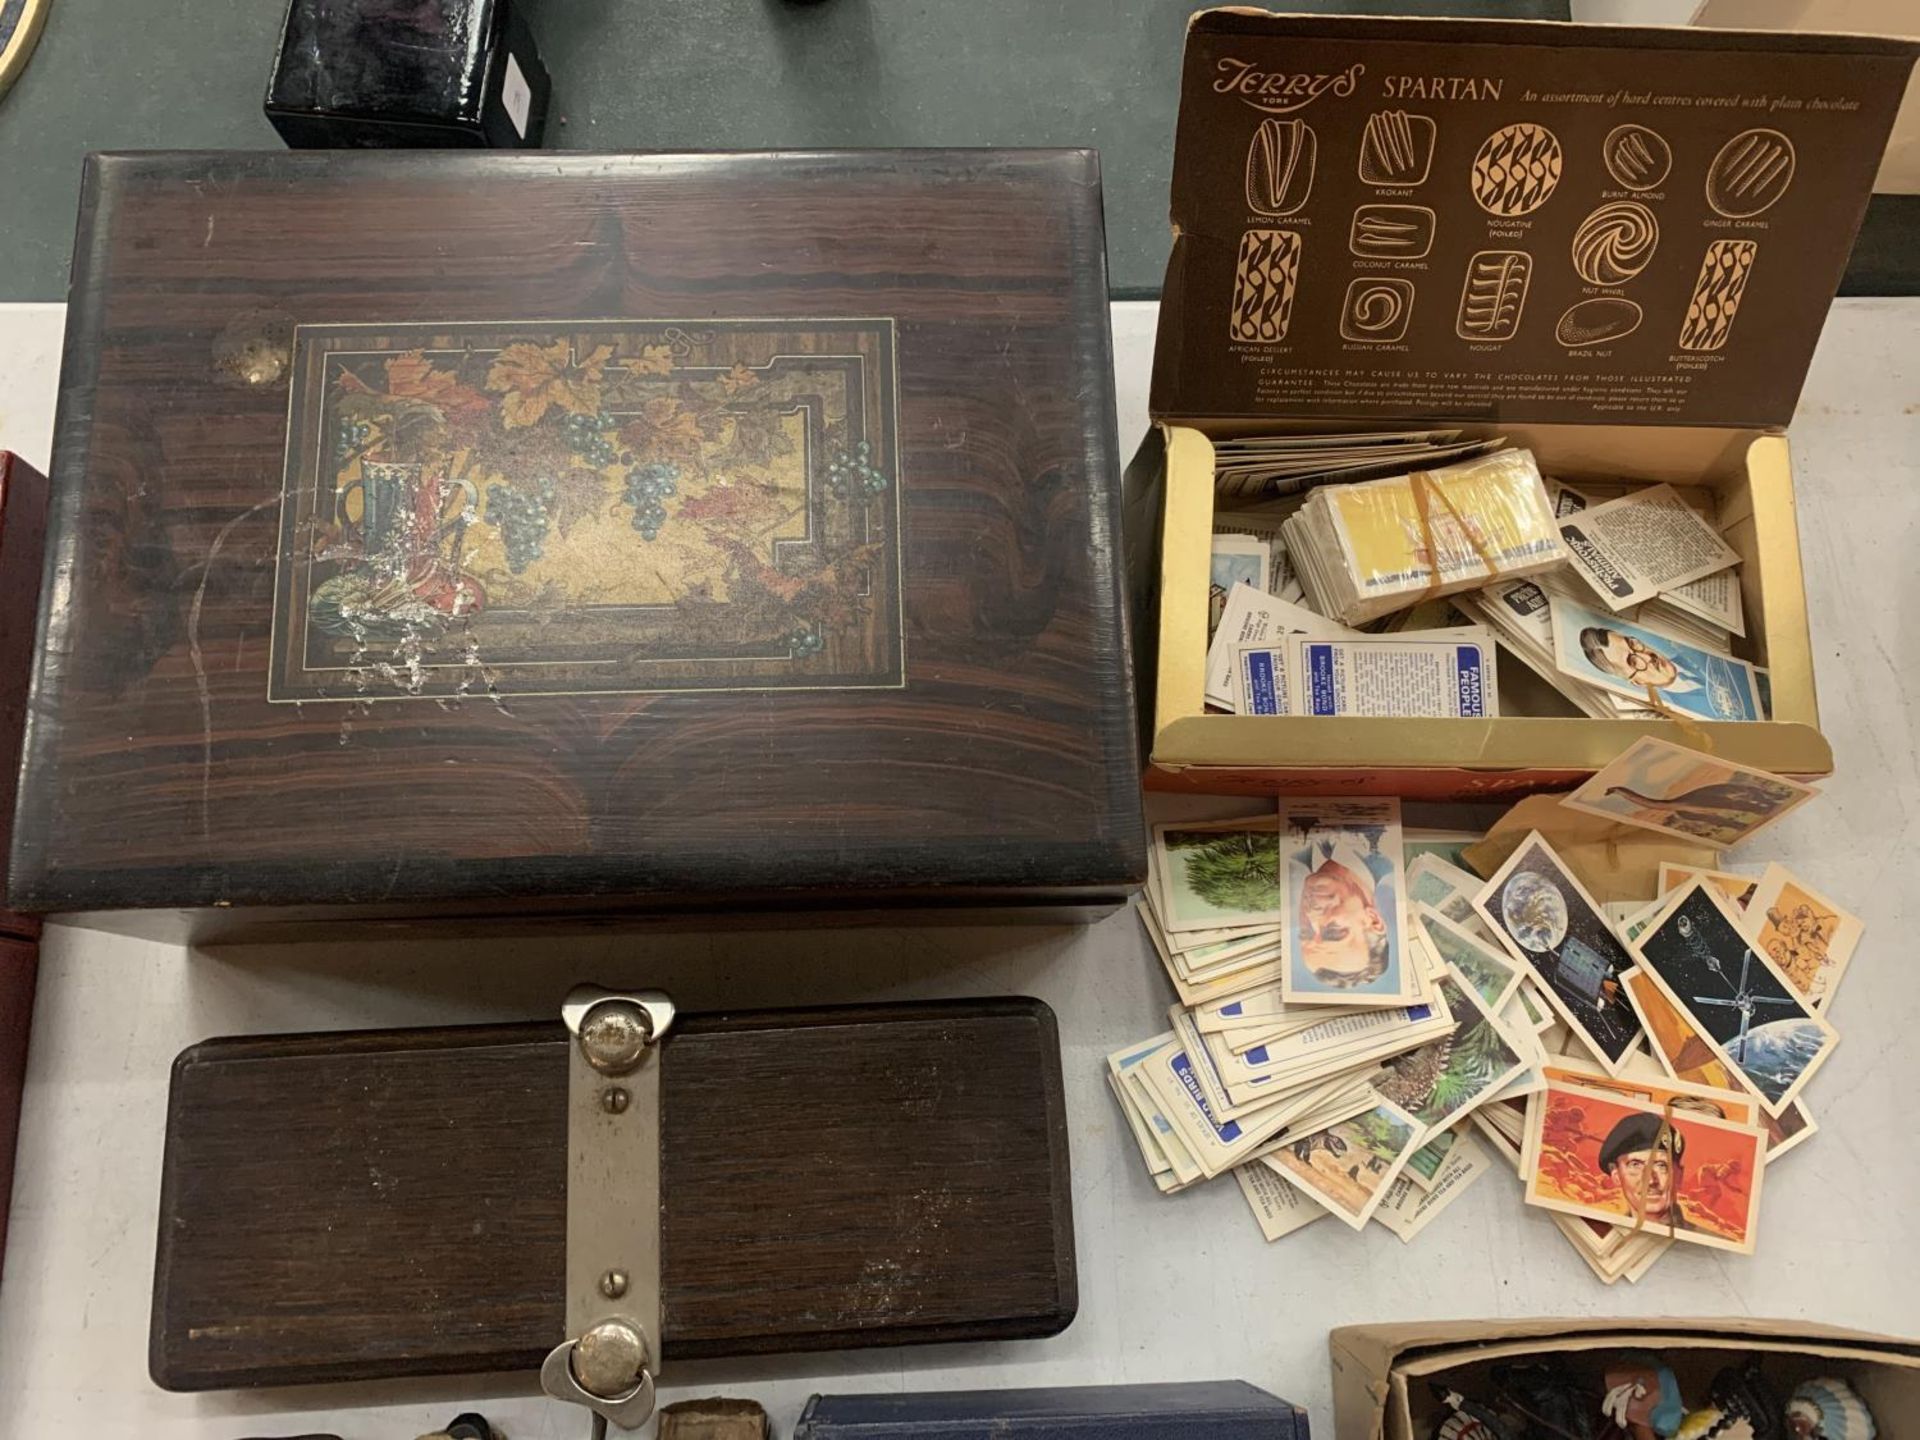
x=1169 y=511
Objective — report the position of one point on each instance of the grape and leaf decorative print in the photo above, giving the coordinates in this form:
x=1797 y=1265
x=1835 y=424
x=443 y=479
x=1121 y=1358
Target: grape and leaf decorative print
x=625 y=506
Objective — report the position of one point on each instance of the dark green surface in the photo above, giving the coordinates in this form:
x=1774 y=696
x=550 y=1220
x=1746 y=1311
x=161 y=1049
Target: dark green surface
x=661 y=75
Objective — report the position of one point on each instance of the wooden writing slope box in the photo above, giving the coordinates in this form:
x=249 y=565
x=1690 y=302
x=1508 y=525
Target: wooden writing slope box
x=870 y=1175
x=570 y=534
x=1511 y=169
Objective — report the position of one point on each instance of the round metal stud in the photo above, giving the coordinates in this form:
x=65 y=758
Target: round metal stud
x=614 y=1035
x=608 y=1359
x=254 y=349
x=613 y=1284
x=614 y=1100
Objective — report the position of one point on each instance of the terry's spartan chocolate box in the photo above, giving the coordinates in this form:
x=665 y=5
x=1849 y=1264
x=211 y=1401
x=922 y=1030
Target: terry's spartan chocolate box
x=1614 y=245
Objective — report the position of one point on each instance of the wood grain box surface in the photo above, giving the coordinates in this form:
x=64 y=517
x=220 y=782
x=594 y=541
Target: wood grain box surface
x=831 y=1179
x=582 y=533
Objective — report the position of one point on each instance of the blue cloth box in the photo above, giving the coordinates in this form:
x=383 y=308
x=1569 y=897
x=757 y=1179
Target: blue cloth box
x=1212 y=1410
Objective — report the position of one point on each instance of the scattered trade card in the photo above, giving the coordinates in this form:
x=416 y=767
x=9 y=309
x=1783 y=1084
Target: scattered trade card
x=1784 y=1131
x=1217 y=1144
x=1236 y=560
x=1629 y=550
x=1142 y=1126
x=1263 y=676
x=1487 y=970
x=1447 y=888
x=1218 y=873
x=1447 y=845
x=1406 y=678
x=1129 y=1087
x=1660 y=786
x=1348 y=1167
x=1206 y=952
x=1266 y=529
x=1277 y=1206
x=1807 y=936
x=1645 y=664
x=1734 y=996
x=1570 y=1071
x=1408 y=1210
x=1714 y=599
x=1549 y=923
x=1350 y=1038
x=1567 y=500
x=1425 y=1162
x=1346 y=932
x=1670 y=1172
x=1253 y=617
x=1734 y=888
x=1443 y=1080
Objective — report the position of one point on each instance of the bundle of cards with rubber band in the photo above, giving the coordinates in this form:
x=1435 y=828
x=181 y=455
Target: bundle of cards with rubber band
x=1370 y=1018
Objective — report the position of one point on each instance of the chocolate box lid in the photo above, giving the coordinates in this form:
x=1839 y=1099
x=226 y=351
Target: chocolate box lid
x=574 y=530
x=1511 y=221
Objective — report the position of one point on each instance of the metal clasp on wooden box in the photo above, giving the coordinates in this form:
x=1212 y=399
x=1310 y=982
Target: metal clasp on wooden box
x=613 y=1206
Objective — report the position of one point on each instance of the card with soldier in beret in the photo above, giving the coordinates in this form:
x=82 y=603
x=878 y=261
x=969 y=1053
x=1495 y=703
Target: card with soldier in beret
x=1666 y=1169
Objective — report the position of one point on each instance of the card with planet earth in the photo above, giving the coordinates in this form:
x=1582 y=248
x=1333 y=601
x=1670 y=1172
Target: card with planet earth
x=1550 y=924
x=1657 y=785
x=1748 y=1012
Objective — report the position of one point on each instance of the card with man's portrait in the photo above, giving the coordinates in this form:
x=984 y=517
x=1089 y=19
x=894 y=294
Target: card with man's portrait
x=1663 y=1169
x=1343 y=883
x=1648 y=664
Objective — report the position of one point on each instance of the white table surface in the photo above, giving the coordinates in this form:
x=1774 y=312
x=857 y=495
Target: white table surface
x=1178 y=1288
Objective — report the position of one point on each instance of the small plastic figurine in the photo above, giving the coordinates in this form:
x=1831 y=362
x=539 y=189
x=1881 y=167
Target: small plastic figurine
x=1466 y=1419
x=469 y=1426
x=1643 y=1397
x=1744 y=1394
x=1548 y=1399
x=1829 y=1409
x=1709 y=1423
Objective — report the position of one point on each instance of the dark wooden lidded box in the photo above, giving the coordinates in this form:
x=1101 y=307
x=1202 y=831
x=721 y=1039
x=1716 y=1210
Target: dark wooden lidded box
x=23 y=508
x=869 y=1175
x=501 y=533
x=455 y=73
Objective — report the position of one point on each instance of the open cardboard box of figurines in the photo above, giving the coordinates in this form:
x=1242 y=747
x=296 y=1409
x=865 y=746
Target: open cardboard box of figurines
x=1339 y=186
x=1392 y=1382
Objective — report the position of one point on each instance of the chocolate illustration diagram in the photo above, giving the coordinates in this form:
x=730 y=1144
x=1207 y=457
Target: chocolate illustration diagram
x=1377 y=310
x=1494 y=295
x=1264 y=277
x=1596 y=321
x=1396 y=148
x=1280 y=161
x=1750 y=174
x=1637 y=157
x=1717 y=293
x=1615 y=242
x=1517 y=169
x=1391 y=232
